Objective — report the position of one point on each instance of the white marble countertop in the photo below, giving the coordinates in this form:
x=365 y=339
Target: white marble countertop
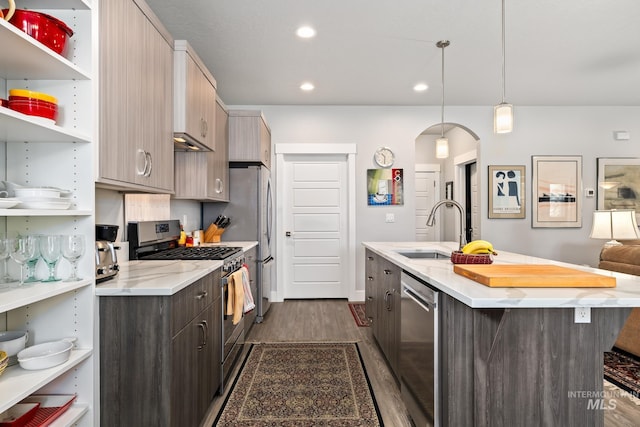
x=145 y=278
x=439 y=274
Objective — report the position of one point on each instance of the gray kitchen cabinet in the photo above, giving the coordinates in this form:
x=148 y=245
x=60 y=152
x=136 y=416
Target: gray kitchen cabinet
x=383 y=286
x=136 y=99
x=205 y=176
x=251 y=259
x=162 y=355
x=194 y=113
x=249 y=137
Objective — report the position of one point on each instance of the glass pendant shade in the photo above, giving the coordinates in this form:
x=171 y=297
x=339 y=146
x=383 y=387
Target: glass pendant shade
x=503 y=118
x=442 y=148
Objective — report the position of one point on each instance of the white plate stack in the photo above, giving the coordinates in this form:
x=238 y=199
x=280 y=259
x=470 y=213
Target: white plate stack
x=42 y=198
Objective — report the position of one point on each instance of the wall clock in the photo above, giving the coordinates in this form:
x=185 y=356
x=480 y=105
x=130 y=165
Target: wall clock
x=384 y=157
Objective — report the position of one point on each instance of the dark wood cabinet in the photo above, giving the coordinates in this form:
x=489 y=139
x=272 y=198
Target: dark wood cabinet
x=160 y=356
x=382 y=304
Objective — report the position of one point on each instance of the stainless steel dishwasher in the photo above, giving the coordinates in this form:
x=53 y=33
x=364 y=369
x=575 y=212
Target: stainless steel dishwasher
x=419 y=351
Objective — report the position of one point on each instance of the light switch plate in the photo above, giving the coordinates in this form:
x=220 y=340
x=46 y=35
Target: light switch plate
x=390 y=218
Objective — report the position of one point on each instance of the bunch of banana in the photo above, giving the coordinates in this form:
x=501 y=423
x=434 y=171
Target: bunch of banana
x=478 y=247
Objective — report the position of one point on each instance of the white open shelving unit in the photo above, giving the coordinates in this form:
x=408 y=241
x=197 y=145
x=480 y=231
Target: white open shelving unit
x=35 y=153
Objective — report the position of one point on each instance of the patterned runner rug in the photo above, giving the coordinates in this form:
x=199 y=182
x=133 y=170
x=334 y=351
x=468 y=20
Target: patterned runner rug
x=623 y=369
x=359 y=315
x=301 y=384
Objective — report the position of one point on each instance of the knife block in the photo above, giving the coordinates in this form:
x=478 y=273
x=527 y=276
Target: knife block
x=213 y=233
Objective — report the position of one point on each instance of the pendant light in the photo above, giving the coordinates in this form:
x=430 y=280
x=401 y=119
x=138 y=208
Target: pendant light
x=503 y=112
x=442 y=143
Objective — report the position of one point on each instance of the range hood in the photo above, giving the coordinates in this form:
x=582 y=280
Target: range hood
x=184 y=142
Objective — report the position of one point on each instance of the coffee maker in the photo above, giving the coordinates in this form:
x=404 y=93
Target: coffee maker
x=106 y=258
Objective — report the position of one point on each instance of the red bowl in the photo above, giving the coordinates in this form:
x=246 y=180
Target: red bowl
x=4 y=103
x=35 y=108
x=48 y=30
x=35 y=101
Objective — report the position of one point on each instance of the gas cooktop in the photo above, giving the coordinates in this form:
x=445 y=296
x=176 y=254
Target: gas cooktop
x=194 y=253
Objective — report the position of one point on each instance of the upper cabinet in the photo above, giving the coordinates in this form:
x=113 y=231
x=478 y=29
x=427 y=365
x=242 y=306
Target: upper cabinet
x=195 y=101
x=136 y=99
x=249 y=137
x=205 y=176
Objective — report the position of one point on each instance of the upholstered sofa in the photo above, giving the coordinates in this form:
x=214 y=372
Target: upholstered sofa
x=625 y=259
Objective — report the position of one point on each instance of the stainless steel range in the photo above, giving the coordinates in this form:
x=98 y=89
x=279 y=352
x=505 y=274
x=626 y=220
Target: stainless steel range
x=158 y=240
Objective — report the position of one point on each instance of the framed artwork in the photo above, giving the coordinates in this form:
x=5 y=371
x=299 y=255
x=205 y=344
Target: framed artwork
x=619 y=184
x=556 y=192
x=506 y=192
x=385 y=187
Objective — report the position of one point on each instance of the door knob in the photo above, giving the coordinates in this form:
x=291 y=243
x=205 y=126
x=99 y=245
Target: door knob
x=288 y=234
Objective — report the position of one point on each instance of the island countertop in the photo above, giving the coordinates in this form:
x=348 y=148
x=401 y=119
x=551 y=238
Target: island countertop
x=147 y=278
x=439 y=274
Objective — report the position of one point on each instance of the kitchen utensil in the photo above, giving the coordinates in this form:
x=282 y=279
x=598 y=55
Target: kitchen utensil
x=46 y=355
x=46 y=29
x=106 y=232
x=6 y=14
x=19 y=415
x=12 y=342
x=533 y=276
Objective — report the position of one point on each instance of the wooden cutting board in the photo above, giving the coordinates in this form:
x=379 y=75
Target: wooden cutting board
x=532 y=276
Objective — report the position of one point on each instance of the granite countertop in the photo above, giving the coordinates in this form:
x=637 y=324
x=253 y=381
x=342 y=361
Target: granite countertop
x=439 y=274
x=147 y=278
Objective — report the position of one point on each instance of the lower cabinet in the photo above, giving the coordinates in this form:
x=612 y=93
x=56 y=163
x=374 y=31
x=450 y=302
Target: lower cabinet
x=160 y=356
x=382 y=305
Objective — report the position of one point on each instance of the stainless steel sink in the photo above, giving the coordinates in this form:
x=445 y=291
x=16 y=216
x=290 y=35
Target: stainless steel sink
x=423 y=254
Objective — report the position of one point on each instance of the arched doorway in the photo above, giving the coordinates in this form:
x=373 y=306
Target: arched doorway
x=455 y=177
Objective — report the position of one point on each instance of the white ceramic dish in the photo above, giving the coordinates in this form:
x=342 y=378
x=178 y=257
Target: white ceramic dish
x=39 y=204
x=13 y=341
x=6 y=203
x=36 y=192
x=45 y=355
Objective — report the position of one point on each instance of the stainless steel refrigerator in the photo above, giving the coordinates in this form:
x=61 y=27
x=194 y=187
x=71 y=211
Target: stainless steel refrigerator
x=250 y=209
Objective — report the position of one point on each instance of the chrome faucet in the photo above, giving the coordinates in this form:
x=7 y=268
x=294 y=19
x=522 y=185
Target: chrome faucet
x=431 y=219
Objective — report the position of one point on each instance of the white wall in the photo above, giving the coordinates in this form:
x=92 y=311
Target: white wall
x=586 y=131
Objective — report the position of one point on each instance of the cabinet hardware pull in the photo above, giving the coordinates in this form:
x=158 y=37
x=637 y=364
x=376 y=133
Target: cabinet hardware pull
x=202 y=295
x=204 y=339
x=370 y=258
x=206 y=335
x=387 y=272
x=370 y=298
x=370 y=279
x=141 y=155
x=148 y=163
x=219 y=186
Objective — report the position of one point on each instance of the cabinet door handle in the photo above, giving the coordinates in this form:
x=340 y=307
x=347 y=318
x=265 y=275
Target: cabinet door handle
x=141 y=157
x=201 y=295
x=370 y=258
x=219 y=186
x=369 y=278
x=206 y=331
x=148 y=163
x=387 y=272
x=201 y=325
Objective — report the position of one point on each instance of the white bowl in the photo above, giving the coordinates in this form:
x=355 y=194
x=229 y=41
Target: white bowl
x=37 y=192
x=45 y=355
x=13 y=341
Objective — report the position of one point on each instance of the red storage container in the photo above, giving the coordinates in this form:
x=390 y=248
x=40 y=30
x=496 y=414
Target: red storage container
x=48 y=30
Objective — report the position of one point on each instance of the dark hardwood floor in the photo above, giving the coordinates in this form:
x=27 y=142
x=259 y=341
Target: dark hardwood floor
x=331 y=321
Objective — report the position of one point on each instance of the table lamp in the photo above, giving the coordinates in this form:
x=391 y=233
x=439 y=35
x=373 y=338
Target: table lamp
x=614 y=224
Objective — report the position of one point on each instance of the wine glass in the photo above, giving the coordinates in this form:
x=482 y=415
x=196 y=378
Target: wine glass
x=22 y=249
x=4 y=256
x=33 y=261
x=50 y=251
x=72 y=250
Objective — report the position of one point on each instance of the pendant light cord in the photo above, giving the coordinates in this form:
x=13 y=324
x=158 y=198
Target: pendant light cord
x=503 y=56
x=442 y=44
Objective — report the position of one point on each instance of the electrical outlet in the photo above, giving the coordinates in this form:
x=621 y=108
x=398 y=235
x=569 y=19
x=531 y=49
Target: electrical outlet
x=582 y=315
x=390 y=218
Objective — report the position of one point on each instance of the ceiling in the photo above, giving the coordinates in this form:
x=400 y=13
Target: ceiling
x=372 y=52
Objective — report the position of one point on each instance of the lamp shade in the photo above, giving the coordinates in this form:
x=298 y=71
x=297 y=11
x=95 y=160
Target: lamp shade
x=442 y=148
x=503 y=118
x=614 y=224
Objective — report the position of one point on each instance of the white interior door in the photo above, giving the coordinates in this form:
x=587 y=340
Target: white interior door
x=315 y=212
x=427 y=190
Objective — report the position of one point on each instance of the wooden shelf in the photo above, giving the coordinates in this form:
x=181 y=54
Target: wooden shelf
x=18 y=383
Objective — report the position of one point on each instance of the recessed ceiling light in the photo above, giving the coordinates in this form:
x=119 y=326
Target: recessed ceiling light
x=307 y=86
x=305 y=32
x=420 y=87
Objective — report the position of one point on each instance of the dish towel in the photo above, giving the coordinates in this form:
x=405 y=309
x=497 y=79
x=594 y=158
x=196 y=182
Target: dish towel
x=249 y=304
x=235 y=296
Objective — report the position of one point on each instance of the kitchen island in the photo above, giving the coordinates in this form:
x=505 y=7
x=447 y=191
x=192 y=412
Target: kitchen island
x=515 y=356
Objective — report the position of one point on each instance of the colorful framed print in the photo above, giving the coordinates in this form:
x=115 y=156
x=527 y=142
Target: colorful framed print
x=507 y=192
x=385 y=187
x=619 y=183
x=556 y=191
